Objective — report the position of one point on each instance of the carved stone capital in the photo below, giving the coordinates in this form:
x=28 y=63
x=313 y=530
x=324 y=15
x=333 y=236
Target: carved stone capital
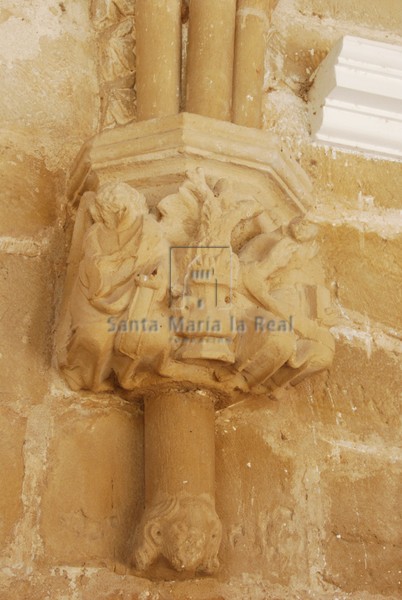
x=216 y=283
x=193 y=277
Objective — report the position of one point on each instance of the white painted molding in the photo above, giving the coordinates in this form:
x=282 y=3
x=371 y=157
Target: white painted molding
x=355 y=101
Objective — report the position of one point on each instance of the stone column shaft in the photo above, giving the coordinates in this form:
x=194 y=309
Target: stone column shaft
x=158 y=31
x=251 y=24
x=179 y=522
x=210 y=58
x=179 y=445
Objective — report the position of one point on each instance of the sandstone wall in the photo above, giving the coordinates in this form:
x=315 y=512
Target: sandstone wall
x=308 y=487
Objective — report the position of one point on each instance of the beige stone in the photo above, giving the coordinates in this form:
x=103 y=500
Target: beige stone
x=48 y=78
x=295 y=53
x=158 y=24
x=114 y=22
x=363 y=531
x=180 y=522
x=179 y=428
x=252 y=22
x=354 y=399
x=253 y=159
x=114 y=274
x=24 y=181
x=255 y=503
x=294 y=469
x=26 y=324
x=356 y=258
x=351 y=181
x=94 y=487
x=210 y=58
x=263 y=316
x=387 y=17
x=12 y=473
x=126 y=286
x=301 y=36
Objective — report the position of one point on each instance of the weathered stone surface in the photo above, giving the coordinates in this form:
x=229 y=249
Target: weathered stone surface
x=12 y=472
x=255 y=503
x=302 y=36
x=363 y=535
x=179 y=523
x=48 y=75
x=24 y=182
x=386 y=16
x=353 y=181
x=355 y=397
x=26 y=309
x=24 y=590
x=308 y=484
x=366 y=272
x=94 y=486
x=188 y=290
x=88 y=584
x=295 y=51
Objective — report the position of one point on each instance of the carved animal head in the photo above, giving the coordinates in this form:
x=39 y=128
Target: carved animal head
x=192 y=538
x=185 y=530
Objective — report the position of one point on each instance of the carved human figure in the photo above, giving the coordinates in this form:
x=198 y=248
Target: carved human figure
x=183 y=529
x=278 y=271
x=118 y=320
x=117 y=261
x=127 y=294
x=259 y=352
x=315 y=345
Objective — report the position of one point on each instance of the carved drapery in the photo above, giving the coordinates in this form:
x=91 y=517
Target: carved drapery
x=193 y=274
x=165 y=295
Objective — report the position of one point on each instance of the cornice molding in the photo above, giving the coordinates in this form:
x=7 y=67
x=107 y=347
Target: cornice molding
x=158 y=148
x=355 y=101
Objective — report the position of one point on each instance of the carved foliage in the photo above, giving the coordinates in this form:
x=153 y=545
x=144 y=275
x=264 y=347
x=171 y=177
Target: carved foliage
x=167 y=295
x=114 y=21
